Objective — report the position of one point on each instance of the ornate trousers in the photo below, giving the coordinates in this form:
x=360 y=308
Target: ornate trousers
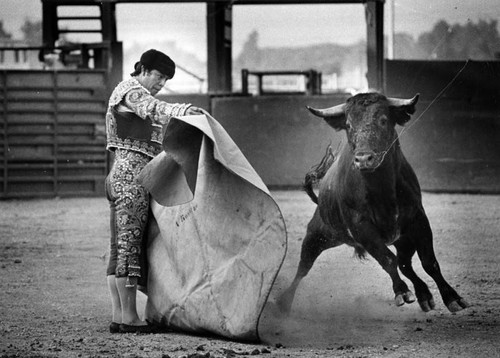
x=129 y=206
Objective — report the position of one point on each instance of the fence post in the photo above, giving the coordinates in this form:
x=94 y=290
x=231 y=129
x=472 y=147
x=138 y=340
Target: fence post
x=244 y=81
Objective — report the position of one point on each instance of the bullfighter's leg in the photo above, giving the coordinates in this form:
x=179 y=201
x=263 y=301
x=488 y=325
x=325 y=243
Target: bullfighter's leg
x=127 y=289
x=376 y=247
x=130 y=207
x=116 y=306
x=424 y=244
x=318 y=238
x=115 y=299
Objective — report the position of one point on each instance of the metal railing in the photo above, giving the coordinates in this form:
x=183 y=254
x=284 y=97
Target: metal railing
x=312 y=81
x=82 y=56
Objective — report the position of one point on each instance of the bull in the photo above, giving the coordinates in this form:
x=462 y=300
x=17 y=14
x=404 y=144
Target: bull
x=369 y=198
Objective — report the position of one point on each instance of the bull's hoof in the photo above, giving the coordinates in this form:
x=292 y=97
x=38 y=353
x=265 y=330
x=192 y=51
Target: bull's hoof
x=427 y=305
x=458 y=305
x=402 y=298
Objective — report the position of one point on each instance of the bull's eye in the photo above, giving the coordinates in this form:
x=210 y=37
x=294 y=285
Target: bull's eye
x=347 y=125
x=383 y=120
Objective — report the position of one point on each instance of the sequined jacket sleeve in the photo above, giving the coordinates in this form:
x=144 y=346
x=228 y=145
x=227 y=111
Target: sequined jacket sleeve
x=142 y=103
x=130 y=96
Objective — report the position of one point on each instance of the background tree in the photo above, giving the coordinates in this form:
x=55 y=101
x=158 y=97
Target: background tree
x=327 y=58
x=32 y=32
x=476 y=41
x=250 y=56
x=4 y=35
x=406 y=47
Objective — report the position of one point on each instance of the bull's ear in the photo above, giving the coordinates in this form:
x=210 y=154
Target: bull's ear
x=334 y=116
x=402 y=109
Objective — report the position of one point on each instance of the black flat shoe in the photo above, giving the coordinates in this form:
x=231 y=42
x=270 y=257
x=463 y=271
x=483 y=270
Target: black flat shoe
x=126 y=328
x=114 y=327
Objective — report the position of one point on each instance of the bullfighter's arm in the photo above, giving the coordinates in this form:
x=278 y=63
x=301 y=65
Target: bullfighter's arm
x=145 y=105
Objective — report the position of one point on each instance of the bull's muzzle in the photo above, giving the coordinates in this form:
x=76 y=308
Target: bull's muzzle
x=365 y=161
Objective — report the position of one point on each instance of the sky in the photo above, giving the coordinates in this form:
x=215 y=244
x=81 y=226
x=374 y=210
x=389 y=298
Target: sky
x=278 y=25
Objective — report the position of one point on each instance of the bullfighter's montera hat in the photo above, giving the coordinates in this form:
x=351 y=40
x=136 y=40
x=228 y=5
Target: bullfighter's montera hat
x=157 y=60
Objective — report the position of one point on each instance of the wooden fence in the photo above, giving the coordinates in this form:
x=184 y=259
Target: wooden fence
x=52 y=133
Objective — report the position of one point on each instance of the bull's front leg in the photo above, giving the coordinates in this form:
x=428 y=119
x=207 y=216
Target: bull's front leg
x=369 y=237
x=318 y=238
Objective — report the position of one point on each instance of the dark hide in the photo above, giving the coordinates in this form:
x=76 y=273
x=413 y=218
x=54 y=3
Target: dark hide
x=369 y=197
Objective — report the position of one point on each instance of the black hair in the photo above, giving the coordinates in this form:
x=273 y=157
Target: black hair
x=137 y=69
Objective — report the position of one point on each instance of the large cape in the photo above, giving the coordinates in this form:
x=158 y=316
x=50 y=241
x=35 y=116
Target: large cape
x=219 y=238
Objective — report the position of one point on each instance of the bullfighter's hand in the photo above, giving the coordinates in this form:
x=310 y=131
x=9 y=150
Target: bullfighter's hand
x=193 y=111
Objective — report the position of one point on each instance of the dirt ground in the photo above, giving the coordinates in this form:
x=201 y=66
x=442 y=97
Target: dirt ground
x=54 y=300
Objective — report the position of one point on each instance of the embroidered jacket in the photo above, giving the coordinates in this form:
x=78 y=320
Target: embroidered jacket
x=135 y=118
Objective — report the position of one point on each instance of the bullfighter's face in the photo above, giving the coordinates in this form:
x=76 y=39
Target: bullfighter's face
x=153 y=81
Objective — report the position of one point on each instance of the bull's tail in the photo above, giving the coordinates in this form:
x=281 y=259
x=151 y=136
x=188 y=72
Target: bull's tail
x=308 y=187
x=360 y=252
x=317 y=173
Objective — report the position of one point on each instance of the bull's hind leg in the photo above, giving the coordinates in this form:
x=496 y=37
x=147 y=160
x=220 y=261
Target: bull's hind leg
x=419 y=232
x=318 y=238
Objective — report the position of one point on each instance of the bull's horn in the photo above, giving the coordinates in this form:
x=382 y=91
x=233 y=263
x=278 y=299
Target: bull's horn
x=328 y=112
x=398 y=102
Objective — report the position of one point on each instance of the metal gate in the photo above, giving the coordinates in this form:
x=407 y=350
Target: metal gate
x=52 y=133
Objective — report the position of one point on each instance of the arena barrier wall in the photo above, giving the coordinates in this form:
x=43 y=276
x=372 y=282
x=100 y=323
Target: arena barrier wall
x=280 y=137
x=453 y=141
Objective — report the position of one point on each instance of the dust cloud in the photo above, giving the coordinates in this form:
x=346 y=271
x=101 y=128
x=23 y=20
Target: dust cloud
x=342 y=303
